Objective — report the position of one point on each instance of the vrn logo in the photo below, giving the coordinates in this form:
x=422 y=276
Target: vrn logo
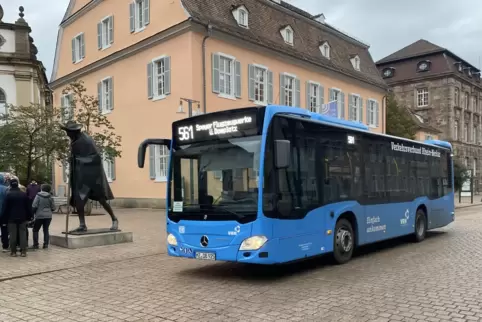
x=404 y=220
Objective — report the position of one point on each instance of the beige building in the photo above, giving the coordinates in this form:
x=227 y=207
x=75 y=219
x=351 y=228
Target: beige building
x=22 y=76
x=142 y=58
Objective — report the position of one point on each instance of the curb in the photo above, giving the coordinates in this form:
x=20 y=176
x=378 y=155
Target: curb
x=468 y=206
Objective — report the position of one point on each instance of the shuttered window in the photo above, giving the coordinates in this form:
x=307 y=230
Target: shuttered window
x=105 y=95
x=78 y=48
x=226 y=76
x=260 y=85
x=289 y=90
x=139 y=15
x=159 y=78
x=105 y=32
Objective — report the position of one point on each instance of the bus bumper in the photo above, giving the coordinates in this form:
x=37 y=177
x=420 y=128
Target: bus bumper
x=265 y=255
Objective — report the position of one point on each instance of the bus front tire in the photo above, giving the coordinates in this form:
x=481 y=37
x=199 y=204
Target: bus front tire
x=344 y=241
x=420 y=226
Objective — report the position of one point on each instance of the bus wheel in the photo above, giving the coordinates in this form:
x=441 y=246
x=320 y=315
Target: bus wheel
x=344 y=241
x=420 y=225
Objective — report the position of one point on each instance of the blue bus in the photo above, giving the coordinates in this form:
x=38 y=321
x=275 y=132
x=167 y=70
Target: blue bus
x=276 y=184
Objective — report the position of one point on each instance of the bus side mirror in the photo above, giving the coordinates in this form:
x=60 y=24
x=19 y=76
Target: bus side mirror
x=141 y=153
x=282 y=150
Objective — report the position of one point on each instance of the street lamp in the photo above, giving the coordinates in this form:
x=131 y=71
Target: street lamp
x=180 y=110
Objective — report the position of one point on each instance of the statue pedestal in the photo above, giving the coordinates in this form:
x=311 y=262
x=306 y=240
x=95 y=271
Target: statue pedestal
x=91 y=238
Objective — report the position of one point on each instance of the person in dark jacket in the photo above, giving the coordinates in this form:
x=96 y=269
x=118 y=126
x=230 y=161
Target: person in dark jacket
x=43 y=206
x=32 y=190
x=3 y=226
x=17 y=212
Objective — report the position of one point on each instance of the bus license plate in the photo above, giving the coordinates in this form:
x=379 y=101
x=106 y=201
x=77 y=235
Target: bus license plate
x=206 y=256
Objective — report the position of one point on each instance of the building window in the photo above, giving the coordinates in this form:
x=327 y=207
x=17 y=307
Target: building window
x=105 y=95
x=355 y=61
x=109 y=167
x=474 y=167
x=159 y=78
x=355 y=110
x=78 y=48
x=456 y=130
x=260 y=84
x=241 y=16
x=428 y=137
x=372 y=113
x=139 y=15
x=339 y=97
x=315 y=96
x=423 y=66
x=388 y=72
x=3 y=106
x=67 y=105
x=161 y=158
x=474 y=104
x=457 y=97
x=105 y=33
x=65 y=171
x=287 y=34
x=289 y=90
x=325 y=50
x=466 y=132
x=466 y=101
x=226 y=76
x=466 y=162
x=422 y=97
x=475 y=134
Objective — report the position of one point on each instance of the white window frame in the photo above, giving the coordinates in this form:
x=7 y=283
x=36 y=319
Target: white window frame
x=108 y=165
x=287 y=90
x=78 y=45
x=422 y=97
x=238 y=15
x=314 y=96
x=372 y=108
x=107 y=106
x=355 y=107
x=65 y=172
x=264 y=69
x=139 y=22
x=355 y=61
x=156 y=76
x=325 y=50
x=474 y=133
x=64 y=108
x=232 y=75
x=466 y=101
x=466 y=132
x=161 y=154
x=288 y=35
x=107 y=25
x=337 y=92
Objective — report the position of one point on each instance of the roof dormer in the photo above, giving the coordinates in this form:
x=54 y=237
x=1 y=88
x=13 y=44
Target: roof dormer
x=288 y=35
x=325 y=49
x=355 y=62
x=241 y=15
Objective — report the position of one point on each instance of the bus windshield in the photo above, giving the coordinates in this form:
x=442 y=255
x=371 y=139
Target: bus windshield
x=217 y=175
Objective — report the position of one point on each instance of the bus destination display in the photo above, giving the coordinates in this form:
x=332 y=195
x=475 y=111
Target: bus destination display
x=211 y=127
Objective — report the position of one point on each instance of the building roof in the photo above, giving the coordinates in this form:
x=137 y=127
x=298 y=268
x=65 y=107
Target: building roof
x=267 y=18
x=419 y=48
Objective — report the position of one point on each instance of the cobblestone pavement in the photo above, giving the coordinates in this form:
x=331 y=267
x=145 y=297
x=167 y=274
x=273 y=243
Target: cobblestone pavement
x=437 y=280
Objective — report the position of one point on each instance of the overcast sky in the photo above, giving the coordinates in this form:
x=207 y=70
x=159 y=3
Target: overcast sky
x=385 y=25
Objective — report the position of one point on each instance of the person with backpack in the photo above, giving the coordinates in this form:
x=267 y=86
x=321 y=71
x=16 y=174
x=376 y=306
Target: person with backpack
x=43 y=207
x=17 y=212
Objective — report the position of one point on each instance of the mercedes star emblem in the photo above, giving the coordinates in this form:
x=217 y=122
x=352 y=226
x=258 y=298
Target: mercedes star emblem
x=204 y=241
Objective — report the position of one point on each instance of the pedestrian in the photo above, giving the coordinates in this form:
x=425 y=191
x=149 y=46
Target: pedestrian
x=43 y=207
x=32 y=190
x=17 y=213
x=3 y=225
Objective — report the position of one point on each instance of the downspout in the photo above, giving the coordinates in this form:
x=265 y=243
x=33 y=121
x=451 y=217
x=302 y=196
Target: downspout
x=209 y=29
x=384 y=111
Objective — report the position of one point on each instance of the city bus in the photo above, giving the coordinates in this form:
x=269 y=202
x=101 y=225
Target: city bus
x=277 y=184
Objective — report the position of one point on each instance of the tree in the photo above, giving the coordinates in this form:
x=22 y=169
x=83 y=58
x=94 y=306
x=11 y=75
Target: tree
x=399 y=120
x=86 y=111
x=29 y=139
x=460 y=175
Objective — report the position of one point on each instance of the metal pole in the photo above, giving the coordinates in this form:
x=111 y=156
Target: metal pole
x=471 y=189
x=191 y=162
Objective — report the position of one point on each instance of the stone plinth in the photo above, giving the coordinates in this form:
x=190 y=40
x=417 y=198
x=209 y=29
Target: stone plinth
x=91 y=238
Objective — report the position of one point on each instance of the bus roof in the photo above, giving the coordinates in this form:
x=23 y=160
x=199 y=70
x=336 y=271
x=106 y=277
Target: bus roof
x=333 y=121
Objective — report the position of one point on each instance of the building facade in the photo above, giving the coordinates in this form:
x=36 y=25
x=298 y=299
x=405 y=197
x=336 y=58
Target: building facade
x=445 y=91
x=143 y=58
x=22 y=76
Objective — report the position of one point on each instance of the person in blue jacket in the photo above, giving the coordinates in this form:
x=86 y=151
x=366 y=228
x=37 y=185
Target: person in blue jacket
x=3 y=226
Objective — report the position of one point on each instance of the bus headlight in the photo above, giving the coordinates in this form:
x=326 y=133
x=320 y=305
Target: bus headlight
x=171 y=240
x=253 y=243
